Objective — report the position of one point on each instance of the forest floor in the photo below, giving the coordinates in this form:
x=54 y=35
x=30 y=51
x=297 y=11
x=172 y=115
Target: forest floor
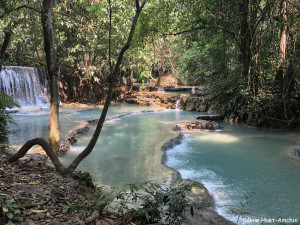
x=32 y=192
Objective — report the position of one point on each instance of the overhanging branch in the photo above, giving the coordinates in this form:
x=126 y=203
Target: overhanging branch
x=18 y=8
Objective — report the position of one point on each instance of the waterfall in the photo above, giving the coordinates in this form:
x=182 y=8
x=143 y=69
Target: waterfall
x=178 y=104
x=26 y=85
x=161 y=88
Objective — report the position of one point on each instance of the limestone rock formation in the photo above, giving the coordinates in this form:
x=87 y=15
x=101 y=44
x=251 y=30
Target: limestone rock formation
x=198 y=125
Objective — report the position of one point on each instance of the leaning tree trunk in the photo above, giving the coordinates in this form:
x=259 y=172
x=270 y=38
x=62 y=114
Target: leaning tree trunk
x=113 y=79
x=53 y=73
x=46 y=146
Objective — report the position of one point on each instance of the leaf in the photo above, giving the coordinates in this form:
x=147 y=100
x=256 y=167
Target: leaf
x=35 y=182
x=10 y=215
x=17 y=211
x=147 y=216
x=10 y=223
x=39 y=210
x=4 y=209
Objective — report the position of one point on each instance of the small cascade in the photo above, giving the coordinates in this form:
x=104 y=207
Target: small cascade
x=161 y=88
x=177 y=107
x=26 y=85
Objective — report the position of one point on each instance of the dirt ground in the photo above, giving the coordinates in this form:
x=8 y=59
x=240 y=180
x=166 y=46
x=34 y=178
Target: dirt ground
x=32 y=192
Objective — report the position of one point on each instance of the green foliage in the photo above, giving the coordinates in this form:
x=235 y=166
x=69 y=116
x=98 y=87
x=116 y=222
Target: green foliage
x=214 y=44
x=5 y=102
x=9 y=209
x=242 y=69
x=156 y=202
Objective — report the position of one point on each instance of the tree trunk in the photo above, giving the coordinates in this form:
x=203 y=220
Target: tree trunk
x=113 y=78
x=245 y=37
x=174 y=71
x=53 y=73
x=280 y=76
x=6 y=41
x=47 y=148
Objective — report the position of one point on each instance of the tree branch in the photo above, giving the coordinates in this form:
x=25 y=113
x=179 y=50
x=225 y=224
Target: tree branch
x=199 y=28
x=207 y=27
x=137 y=5
x=20 y=7
x=47 y=148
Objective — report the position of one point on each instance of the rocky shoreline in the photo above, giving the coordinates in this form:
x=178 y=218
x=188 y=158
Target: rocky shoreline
x=199 y=193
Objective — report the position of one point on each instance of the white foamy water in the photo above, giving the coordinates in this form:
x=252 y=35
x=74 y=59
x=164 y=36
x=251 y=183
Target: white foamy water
x=26 y=85
x=238 y=165
x=222 y=193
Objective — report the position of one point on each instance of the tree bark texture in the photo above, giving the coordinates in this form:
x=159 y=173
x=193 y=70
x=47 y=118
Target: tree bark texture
x=53 y=73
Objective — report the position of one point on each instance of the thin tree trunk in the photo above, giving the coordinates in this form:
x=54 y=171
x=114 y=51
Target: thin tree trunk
x=7 y=38
x=282 y=44
x=174 y=71
x=245 y=37
x=53 y=73
x=109 y=39
x=113 y=77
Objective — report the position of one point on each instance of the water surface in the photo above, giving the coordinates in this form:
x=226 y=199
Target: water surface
x=232 y=163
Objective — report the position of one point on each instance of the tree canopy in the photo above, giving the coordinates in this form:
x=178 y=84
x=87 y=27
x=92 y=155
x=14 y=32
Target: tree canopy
x=246 y=52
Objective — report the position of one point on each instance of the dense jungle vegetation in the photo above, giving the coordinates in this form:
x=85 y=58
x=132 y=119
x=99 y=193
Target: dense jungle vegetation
x=246 y=52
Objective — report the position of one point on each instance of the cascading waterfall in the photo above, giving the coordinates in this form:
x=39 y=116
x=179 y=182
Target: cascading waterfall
x=27 y=86
x=178 y=104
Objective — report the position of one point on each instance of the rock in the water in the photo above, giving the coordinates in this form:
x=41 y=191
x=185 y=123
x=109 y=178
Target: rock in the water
x=63 y=149
x=211 y=125
x=297 y=152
